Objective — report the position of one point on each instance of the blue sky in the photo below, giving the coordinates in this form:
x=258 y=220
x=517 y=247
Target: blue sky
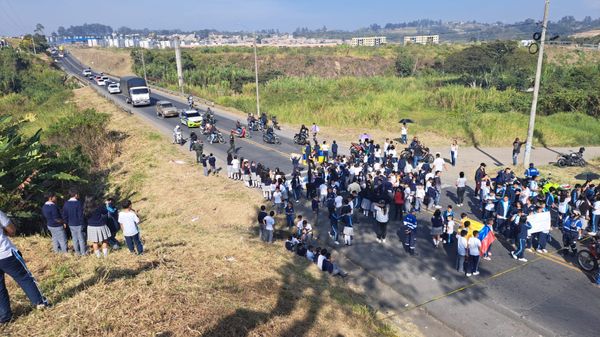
x=19 y=16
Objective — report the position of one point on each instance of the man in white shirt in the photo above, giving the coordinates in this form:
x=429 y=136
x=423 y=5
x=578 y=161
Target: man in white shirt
x=461 y=250
x=439 y=164
x=595 y=216
x=235 y=168
x=474 y=246
x=269 y=222
x=321 y=258
x=12 y=263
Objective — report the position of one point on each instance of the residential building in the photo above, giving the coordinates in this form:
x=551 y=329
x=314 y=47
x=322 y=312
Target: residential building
x=369 y=41
x=422 y=39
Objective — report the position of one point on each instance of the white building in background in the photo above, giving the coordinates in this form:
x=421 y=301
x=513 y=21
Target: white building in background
x=422 y=39
x=369 y=41
x=165 y=44
x=93 y=43
x=147 y=44
x=116 y=43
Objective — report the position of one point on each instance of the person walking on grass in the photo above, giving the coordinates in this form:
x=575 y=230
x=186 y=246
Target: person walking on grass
x=193 y=140
x=269 y=225
x=289 y=214
x=204 y=162
x=72 y=213
x=382 y=216
x=212 y=162
x=198 y=148
x=474 y=245
x=97 y=230
x=130 y=225
x=13 y=264
x=453 y=152
x=516 y=149
x=55 y=224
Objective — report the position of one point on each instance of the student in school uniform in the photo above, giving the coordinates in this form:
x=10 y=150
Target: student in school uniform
x=55 y=224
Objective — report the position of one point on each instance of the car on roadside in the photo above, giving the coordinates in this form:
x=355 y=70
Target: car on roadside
x=190 y=118
x=114 y=88
x=166 y=109
x=87 y=72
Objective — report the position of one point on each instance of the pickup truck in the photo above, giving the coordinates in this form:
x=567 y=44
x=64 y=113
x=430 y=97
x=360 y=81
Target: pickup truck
x=166 y=109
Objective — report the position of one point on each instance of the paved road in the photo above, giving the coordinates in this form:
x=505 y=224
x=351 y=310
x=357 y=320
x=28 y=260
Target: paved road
x=547 y=296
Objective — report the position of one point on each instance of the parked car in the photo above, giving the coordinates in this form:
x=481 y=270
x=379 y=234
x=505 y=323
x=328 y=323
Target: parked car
x=113 y=88
x=166 y=109
x=190 y=118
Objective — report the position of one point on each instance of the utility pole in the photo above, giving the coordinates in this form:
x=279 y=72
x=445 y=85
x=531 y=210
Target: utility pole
x=536 y=88
x=178 y=61
x=144 y=66
x=33 y=43
x=256 y=79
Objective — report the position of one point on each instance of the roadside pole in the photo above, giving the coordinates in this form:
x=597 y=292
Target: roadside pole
x=536 y=88
x=144 y=65
x=256 y=80
x=178 y=61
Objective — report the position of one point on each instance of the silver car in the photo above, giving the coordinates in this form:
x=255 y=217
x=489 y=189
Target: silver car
x=166 y=109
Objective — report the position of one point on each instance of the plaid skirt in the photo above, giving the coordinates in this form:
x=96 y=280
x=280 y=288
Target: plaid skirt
x=98 y=233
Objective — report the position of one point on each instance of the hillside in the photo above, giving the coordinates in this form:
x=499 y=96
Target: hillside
x=111 y=61
x=203 y=271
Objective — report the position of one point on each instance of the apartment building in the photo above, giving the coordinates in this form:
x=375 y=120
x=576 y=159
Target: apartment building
x=369 y=41
x=422 y=39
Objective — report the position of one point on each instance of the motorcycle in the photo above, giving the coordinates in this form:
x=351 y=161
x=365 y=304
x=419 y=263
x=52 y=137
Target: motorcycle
x=427 y=157
x=216 y=137
x=242 y=133
x=275 y=123
x=546 y=183
x=300 y=139
x=571 y=159
x=588 y=257
x=271 y=138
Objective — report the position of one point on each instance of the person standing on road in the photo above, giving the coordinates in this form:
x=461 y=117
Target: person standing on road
x=55 y=224
x=516 y=149
x=410 y=232
x=474 y=245
x=193 y=140
x=198 y=147
x=437 y=227
x=479 y=176
x=461 y=250
x=461 y=187
x=12 y=263
x=382 y=216
x=571 y=227
x=453 y=152
x=315 y=131
x=231 y=143
x=72 y=213
x=522 y=225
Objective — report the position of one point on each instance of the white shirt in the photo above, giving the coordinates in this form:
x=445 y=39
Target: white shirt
x=379 y=213
x=461 y=245
x=404 y=131
x=338 y=201
x=596 y=210
x=450 y=227
x=277 y=197
x=461 y=182
x=269 y=222
x=323 y=189
x=438 y=164
x=300 y=225
x=420 y=192
x=129 y=220
x=320 y=261
x=235 y=163
x=474 y=245
x=6 y=246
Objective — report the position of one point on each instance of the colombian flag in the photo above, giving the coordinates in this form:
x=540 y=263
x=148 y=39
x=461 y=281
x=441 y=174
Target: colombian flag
x=474 y=226
x=486 y=235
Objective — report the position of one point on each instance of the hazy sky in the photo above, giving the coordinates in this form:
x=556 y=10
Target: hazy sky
x=19 y=16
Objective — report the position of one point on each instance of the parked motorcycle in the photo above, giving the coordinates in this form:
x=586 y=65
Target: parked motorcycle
x=408 y=153
x=571 y=159
x=588 y=257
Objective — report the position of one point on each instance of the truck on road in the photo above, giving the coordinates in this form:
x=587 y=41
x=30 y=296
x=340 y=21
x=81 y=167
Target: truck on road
x=135 y=90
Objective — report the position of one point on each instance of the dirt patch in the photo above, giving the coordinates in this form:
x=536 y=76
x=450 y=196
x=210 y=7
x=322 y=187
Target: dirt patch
x=203 y=273
x=109 y=60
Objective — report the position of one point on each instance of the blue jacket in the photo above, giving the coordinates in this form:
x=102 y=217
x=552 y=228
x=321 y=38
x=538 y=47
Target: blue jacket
x=410 y=221
x=524 y=225
x=549 y=200
x=500 y=209
x=532 y=172
x=52 y=215
x=72 y=213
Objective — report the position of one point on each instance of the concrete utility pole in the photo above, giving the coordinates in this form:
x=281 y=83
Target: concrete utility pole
x=178 y=61
x=144 y=66
x=256 y=79
x=536 y=88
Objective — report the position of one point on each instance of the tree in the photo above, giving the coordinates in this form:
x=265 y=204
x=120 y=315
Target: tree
x=39 y=29
x=404 y=64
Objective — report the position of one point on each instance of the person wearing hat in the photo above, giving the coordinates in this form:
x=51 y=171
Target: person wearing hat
x=410 y=232
x=572 y=226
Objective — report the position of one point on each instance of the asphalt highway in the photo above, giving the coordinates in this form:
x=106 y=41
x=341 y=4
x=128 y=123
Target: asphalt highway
x=546 y=296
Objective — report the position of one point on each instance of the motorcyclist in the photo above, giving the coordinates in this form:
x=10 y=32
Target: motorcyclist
x=263 y=119
x=270 y=133
x=274 y=121
x=190 y=100
x=238 y=127
x=213 y=132
x=251 y=121
x=177 y=136
x=303 y=131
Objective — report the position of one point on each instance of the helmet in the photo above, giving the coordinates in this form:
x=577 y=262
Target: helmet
x=581 y=149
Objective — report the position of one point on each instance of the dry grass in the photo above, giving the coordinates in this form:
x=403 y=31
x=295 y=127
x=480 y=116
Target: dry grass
x=566 y=175
x=109 y=60
x=203 y=273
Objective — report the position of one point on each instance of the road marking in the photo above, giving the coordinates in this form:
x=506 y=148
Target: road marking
x=468 y=286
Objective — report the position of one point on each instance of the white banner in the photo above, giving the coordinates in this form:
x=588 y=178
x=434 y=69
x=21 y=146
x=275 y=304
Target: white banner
x=540 y=222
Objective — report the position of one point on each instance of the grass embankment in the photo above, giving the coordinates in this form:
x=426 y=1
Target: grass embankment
x=203 y=274
x=566 y=175
x=109 y=60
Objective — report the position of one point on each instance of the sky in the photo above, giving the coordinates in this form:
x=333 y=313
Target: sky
x=20 y=16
